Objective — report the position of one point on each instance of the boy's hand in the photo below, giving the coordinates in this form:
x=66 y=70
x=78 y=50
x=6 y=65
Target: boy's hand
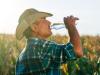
x=70 y=21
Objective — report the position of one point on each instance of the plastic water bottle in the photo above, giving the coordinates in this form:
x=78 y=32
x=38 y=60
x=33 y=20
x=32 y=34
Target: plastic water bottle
x=57 y=26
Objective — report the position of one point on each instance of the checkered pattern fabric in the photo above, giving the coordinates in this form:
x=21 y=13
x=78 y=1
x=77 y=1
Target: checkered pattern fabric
x=42 y=57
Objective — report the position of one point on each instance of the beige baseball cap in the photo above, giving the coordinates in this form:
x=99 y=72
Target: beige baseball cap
x=27 y=18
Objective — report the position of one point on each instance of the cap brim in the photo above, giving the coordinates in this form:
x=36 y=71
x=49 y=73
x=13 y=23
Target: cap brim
x=46 y=14
x=43 y=14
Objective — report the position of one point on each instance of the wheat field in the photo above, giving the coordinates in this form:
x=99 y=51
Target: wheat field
x=10 y=48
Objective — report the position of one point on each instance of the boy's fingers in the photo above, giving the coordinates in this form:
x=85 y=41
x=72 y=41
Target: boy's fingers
x=76 y=18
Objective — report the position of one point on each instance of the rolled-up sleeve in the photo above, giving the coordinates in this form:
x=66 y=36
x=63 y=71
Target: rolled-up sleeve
x=68 y=53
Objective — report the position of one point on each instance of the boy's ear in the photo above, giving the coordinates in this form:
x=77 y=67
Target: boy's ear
x=34 y=28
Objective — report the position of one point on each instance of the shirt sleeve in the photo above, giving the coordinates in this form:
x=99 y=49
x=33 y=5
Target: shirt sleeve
x=68 y=53
x=61 y=53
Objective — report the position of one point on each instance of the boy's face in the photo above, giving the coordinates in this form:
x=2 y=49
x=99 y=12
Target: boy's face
x=43 y=27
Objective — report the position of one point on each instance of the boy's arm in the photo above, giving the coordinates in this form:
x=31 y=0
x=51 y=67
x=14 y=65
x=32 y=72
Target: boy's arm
x=74 y=35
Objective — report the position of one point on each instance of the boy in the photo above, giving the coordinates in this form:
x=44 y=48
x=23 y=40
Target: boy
x=42 y=57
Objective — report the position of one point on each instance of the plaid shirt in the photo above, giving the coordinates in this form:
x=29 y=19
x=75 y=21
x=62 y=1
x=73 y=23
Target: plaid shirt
x=42 y=57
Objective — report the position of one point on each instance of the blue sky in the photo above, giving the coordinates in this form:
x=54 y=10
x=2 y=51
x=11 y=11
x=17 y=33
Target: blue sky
x=88 y=12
